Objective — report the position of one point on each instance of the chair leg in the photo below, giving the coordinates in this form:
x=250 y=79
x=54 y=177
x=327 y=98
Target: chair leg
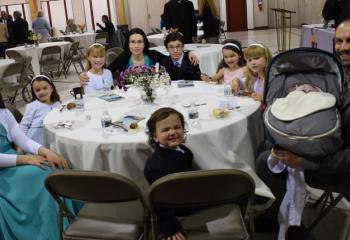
x=325 y=211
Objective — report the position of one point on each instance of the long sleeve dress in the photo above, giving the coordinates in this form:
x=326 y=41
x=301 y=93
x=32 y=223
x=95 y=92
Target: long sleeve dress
x=27 y=211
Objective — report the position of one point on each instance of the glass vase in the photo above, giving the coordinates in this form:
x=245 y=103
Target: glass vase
x=148 y=96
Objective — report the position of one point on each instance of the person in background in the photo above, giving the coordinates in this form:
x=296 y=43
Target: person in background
x=179 y=16
x=99 y=77
x=41 y=25
x=178 y=64
x=20 y=30
x=337 y=10
x=45 y=98
x=211 y=22
x=258 y=58
x=333 y=170
x=3 y=39
x=71 y=26
x=7 y=20
x=162 y=23
x=109 y=27
x=233 y=67
x=27 y=209
x=166 y=134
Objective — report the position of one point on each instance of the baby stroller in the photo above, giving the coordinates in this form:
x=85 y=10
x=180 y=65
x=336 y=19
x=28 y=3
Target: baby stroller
x=305 y=123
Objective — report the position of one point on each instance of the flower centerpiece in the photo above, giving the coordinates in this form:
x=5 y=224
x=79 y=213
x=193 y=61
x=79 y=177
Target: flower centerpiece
x=35 y=37
x=147 y=79
x=82 y=27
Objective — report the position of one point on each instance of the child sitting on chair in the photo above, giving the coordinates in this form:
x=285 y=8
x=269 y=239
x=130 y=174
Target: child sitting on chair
x=166 y=131
x=45 y=98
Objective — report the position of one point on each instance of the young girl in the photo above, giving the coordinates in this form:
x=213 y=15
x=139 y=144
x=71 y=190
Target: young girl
x=99 y=77
x=258 y=58
x=232 y=71
x=166 y=131
x=45 y=98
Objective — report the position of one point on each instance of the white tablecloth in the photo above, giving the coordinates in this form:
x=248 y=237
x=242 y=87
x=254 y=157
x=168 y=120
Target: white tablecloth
x=3 y=64
x=158 y=39
x=85 y=39
x=209 y=55
x=324 y=37
x=35 y=52
x=216 y=143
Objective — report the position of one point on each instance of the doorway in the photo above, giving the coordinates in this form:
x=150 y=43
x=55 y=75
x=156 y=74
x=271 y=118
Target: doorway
x=236 y=15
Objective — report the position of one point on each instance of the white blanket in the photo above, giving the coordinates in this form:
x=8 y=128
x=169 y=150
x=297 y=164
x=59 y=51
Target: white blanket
x=298 y=104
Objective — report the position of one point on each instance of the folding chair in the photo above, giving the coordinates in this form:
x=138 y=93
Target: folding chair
x=72 y=57
x=102 y=38
x=216 y=190
x=96 y=187
x=10 y=88
x=15 y=112
x=222 y=30
x=51 y=60
x=112 y=53
x=327 y=200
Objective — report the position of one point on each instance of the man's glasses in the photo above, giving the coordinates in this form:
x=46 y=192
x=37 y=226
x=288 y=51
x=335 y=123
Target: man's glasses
x=136 y=42
x=173 y=48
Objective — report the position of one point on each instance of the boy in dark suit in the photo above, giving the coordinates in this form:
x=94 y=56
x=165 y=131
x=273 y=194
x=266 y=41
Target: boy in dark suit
x=177 y=64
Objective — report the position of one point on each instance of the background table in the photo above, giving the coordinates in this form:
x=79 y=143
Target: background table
x=324 y=37
x=85 y=39
x=35 y=52
x=216 y=143
x=158 y=39
x=209 y=55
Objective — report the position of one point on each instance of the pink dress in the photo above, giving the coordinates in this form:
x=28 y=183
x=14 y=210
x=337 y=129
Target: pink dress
x=230 y=75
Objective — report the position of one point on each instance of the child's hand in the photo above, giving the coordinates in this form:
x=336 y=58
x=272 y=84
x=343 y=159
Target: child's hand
x=84 y=79
x=205 y=77
x=257 y=97
x=235 y=85
x=286 y=157
x=177 y=236
x=193 y=59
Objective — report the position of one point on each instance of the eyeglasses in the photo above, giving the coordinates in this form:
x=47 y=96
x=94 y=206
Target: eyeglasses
x=136 y=42
x=173 y=48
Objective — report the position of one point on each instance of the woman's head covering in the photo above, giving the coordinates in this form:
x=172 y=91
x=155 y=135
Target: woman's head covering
x=2 y=104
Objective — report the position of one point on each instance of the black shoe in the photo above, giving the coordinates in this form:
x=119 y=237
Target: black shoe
x=299 y=233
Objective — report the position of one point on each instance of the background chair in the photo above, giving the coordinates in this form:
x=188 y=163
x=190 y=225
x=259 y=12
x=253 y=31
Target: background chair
x=51 y=60
x=15 y=112
x=222 y=30
x=10 y=88
x=112 y=53
x=72 y=57
x=327 y=201
x=212 y=189
x=96 y=187
x=102 y=38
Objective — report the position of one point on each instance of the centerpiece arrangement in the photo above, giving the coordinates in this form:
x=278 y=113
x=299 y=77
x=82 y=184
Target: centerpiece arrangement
x=82 y=27
x=147 y=79
x=35 y=37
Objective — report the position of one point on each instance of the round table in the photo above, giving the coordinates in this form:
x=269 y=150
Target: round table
x=35 y=52
x=85 y=39
x=158 y=39
x=209 y=55
x=215 y=143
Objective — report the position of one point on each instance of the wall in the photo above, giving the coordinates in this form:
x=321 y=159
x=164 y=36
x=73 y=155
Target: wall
x=261 y=18
x=306 y=11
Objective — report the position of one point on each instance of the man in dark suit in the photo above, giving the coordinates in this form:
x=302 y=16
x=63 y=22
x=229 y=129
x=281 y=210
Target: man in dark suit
x=337 y=10
x=20 y=30
x=109 y=27
x=7 y=20
x=178 y=64
x=179 y=15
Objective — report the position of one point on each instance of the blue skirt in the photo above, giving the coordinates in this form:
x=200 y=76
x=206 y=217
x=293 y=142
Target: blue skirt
x=27 y=210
